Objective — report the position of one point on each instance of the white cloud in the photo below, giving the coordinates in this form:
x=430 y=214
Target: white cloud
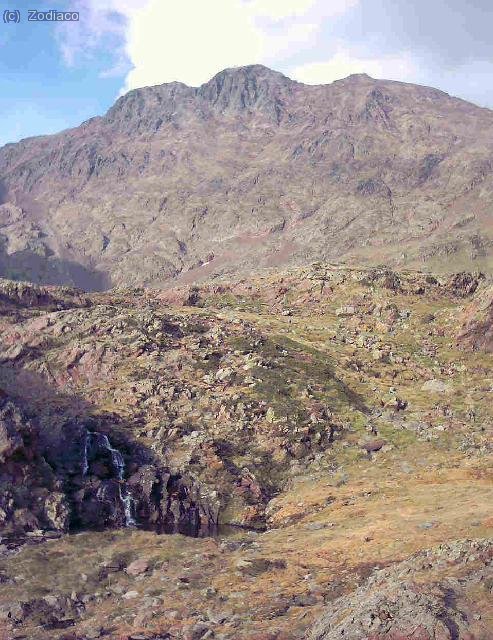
x=102 y=27
x=344 y=63
x=191 y=40
x=281 y=9
x=149 y=42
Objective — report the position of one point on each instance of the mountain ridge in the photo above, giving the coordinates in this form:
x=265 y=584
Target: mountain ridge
x=251 y=169
x=200 y=90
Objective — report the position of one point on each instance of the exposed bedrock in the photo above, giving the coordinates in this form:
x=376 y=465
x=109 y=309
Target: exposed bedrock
x=86 y=482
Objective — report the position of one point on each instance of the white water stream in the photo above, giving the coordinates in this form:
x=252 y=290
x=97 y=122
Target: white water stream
x=118 y=463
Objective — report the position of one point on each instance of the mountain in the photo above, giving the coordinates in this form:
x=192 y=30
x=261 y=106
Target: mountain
x=251 y=170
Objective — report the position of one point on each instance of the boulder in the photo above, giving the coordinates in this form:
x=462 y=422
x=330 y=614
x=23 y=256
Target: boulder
x=373 y=445
x=57 y=511
x=436 y=386
x=137 y=567
x=346 y=311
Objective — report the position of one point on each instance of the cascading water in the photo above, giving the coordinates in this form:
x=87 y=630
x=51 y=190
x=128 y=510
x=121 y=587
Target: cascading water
x=95 y=440
x=85 y=461
x=128 y=507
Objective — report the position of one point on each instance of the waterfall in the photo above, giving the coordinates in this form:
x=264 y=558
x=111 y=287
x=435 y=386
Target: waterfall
x=116 y=457
x=128 y=504
x=85 y=461
x=100 y=441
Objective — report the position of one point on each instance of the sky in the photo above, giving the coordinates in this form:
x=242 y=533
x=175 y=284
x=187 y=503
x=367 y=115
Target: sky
x=56 y=75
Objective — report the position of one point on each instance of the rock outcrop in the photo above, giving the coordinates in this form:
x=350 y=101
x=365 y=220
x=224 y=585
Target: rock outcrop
x=405 y=603
x=27 y=295
x=84 y=484
x=32 y=496
x=477 y=330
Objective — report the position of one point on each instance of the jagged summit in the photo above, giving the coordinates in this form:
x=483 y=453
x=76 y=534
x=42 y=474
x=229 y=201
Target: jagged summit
x=357 y=76
x=245 y=87
x=233 y=88
x=238 y=88
x=249 y=71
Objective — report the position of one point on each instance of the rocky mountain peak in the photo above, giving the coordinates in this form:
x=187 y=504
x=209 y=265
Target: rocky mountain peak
x=244 y=88
x=233 y=90
x=149 y=107
x=359 y=76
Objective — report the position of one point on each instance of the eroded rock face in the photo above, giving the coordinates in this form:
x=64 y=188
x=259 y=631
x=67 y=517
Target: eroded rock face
x=12 y=428
x=84 y=485
x=25 y=294
x=477 y=330
x=171 y=503
x=463 y=285
x=401 y=604
x=30 y=497
x=151 y=496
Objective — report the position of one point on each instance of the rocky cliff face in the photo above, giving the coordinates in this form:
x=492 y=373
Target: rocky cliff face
x=85 y=483
x=59 y=469
x=32 y=496
x=477 y=330
x=250 y=169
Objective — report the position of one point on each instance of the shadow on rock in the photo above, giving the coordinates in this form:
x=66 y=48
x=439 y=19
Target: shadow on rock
x=65 y=466
x=42 y=267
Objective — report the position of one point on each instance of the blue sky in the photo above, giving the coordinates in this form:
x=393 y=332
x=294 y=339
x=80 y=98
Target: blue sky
x=39 y=91
x=55 y=76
